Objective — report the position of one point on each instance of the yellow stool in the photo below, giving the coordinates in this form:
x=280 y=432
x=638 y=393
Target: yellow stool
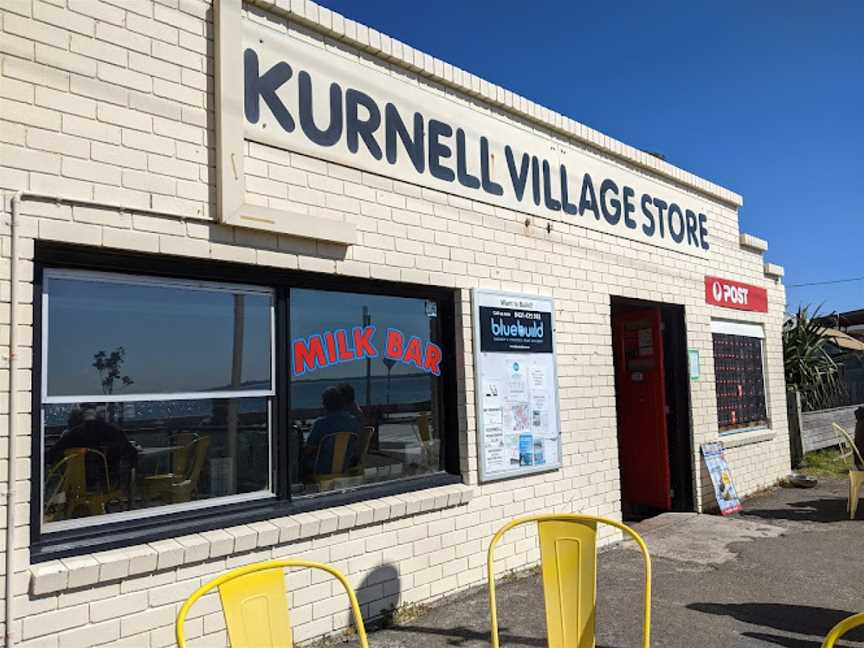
x=842 y=628
x=256 y=607
x=568 y=557
x=856 y=477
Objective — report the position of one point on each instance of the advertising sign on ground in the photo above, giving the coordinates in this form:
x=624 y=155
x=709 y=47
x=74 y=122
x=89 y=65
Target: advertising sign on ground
x=721 y=477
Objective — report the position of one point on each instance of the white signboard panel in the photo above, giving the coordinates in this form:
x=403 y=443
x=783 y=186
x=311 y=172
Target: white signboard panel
x=336 y=106
x=516 y=379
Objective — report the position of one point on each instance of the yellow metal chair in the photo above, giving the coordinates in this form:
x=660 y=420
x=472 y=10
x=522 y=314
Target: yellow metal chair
x=856 y=477
x=342 y=445
x=850 y=623
x=70 y=496
x=568 y=557
x=180 y=485
x=255 y=604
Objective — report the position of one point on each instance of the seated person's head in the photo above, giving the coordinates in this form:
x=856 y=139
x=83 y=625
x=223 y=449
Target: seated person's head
x=332 y=401
x=76 y=417
x=347 y=393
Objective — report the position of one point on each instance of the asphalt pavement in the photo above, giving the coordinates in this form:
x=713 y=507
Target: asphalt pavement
x=781 y=573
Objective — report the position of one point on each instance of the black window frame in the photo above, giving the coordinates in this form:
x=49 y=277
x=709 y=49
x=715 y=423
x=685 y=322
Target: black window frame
x=110 y=535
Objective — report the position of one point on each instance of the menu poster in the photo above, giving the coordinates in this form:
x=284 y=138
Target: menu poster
x=517 y=396
x=721 y=477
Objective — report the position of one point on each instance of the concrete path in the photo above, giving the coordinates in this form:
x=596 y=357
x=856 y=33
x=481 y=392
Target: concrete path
x=780 y=574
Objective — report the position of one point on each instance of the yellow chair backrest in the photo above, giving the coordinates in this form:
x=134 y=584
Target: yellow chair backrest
x=72 y=469
x=255 y=604
x=568 y=559
x=850 y=623
x=844 y=434
x=182 y=442
x=198 y=449
x=342 y=443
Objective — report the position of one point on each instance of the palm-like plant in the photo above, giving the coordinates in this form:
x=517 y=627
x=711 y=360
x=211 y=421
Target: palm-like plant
x=808 y=365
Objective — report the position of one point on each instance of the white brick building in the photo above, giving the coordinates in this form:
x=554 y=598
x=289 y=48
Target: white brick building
x=199 y=201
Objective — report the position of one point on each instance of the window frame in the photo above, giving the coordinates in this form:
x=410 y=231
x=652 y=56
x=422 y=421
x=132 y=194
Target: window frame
x=51 y=257
x=747 y=330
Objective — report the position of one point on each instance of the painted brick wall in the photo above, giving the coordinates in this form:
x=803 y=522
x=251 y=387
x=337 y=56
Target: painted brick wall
x=112 y=101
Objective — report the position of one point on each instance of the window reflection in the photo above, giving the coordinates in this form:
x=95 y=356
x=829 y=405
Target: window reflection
x=105 y=458
x=157 y=393
x=366 y=420
x=172 y=338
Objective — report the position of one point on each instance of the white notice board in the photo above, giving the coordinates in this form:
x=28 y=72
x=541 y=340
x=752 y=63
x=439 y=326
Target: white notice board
x=516 y=382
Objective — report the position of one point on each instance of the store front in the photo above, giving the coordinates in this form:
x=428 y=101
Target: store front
x=285 y=286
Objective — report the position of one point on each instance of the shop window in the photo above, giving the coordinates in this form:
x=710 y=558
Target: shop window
x=739 y=370
x=156 y=395
x=215 y=393
x=365 y=389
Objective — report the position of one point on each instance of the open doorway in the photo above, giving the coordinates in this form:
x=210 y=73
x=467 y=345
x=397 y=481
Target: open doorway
x=653 y=406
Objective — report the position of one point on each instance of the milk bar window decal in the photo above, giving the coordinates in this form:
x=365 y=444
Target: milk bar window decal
x=321 y=350
x=365 y=389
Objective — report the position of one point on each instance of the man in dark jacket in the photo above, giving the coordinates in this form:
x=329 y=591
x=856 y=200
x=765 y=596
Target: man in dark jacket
x=87 y=429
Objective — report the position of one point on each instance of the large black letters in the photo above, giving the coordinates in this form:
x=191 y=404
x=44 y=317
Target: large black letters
x=429 y=144
x=465 y=178
x=588 y=199
x=439 y=151
x=629 y=207
x=518 y=178
x=489 y=185
x=566 y=205
x=258 y=86
x=333 y=132
x=393 y=126
x=648 y=226
x=612 y=217
x=365 y=128
x=550 y=202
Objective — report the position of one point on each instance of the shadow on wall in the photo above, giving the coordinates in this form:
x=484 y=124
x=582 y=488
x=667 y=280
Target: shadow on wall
x=379 y=595
x=796 y=619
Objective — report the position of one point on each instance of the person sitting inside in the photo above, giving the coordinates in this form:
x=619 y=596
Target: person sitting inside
x=349 y=403
x=318 y=452
x=88 y=428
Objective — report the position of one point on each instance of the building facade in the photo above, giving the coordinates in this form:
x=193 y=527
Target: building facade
x=276 y=284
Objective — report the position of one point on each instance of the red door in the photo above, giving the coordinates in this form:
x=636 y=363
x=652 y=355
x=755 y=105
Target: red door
x=641 y=398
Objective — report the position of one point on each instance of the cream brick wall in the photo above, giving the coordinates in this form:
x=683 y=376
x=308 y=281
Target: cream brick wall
x=112 y=101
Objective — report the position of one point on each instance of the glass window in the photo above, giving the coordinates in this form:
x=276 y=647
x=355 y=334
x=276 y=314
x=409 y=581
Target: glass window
x=740 y=382
x=156 y=393
x=365 y=389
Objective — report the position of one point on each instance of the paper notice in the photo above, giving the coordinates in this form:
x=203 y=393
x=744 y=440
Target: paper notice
x=517 y=387
x=493 y=417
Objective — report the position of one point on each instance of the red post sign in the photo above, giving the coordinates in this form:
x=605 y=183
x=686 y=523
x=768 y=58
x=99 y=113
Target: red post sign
x=734 y=294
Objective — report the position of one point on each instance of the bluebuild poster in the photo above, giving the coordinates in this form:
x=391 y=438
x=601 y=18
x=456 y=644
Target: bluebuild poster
x=721 y=477
x=517 y=384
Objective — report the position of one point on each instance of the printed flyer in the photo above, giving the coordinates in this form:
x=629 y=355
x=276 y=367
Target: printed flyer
x=517 y=400
x=721 y=477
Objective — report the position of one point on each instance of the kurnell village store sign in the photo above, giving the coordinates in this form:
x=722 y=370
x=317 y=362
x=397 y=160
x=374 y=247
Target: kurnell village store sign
x=335 y=105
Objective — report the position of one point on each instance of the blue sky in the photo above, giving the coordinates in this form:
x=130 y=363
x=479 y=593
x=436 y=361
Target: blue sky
x=765 y=98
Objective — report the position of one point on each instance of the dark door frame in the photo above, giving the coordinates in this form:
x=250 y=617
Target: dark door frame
x=678 y=419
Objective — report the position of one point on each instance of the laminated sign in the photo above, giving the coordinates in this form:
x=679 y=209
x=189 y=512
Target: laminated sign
x=517 y=384
x=721 y=477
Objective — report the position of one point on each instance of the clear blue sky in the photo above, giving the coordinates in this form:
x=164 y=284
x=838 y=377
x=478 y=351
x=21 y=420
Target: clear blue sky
x=765 y=98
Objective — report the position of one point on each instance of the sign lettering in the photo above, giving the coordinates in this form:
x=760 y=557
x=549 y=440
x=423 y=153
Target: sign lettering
x=734 y=294
x=301 y=98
